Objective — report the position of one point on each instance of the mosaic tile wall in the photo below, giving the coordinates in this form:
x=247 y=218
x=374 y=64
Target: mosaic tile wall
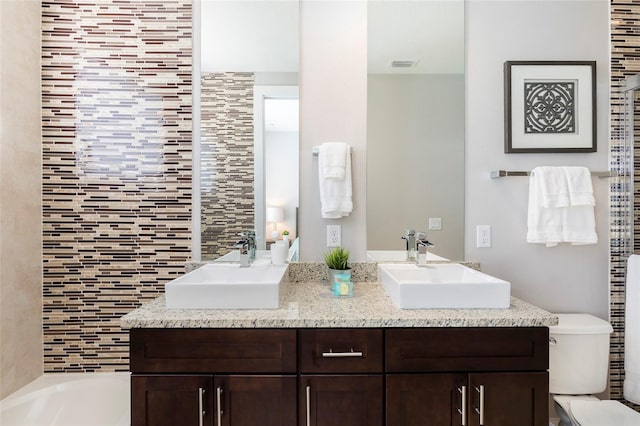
x=625 y=51
x=226 y=153
x=116 y=83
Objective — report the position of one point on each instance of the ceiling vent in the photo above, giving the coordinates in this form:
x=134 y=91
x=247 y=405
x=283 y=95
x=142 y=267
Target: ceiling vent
x=404 y=64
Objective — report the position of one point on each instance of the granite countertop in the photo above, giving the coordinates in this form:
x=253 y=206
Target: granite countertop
x=311 y=305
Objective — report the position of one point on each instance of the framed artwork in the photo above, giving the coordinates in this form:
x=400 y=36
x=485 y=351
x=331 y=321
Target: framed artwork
x=550 y=106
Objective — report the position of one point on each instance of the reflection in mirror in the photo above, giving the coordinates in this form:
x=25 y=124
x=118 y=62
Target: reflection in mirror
x=415 y=134
x=248 y=121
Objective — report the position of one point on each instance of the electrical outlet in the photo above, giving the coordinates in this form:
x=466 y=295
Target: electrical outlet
x=435 y=223
x=483 y=236
x=334 y=237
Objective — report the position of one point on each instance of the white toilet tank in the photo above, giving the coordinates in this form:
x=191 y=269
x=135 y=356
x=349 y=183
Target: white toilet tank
x=578 y=354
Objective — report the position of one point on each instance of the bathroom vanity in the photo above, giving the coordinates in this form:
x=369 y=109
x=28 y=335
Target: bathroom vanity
x=319 y=361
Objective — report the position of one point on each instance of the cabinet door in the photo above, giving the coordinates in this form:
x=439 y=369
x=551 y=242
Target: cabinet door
x=255 y=400
x=507 y=399
x=341 y=400
x=421 y=399
x=171 y=400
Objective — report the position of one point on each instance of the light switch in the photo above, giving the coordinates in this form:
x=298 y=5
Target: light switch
x=435 y=223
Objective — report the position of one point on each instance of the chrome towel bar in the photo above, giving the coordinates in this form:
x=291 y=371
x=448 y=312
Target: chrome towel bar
x=496 y=174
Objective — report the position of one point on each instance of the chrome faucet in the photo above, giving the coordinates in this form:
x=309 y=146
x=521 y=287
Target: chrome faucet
x=421 y=241
x=410 y=240
x=247 y=246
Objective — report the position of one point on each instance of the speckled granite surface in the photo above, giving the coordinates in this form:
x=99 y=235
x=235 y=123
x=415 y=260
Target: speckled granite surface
x=311 y=305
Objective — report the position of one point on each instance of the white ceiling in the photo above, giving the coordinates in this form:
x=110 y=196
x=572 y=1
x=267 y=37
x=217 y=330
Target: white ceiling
x=262 y=35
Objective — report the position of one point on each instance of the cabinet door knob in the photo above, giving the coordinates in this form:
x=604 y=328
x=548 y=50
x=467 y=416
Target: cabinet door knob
x=463 y=403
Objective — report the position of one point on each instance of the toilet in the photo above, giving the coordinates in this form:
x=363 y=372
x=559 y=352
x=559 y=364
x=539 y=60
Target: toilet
x=578 y=365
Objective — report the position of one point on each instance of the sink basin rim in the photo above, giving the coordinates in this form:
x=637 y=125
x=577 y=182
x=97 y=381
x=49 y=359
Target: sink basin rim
x=478 y=291
x=227 y=286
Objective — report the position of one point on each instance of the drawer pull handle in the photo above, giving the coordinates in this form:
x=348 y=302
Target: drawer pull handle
x=219 y=403
x=463 y=410
x=308 y=405
x=480 y=411
x=201 y=411
x=332 y=354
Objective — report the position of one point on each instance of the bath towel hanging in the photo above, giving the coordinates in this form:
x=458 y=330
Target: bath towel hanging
x=561 y=206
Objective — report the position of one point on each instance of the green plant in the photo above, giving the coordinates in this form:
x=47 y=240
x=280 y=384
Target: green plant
x=285 y=232
x=337 y=258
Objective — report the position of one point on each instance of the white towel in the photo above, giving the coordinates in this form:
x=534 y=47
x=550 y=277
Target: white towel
x=579 y=222
x=561 y=206
x=579 y=225
x=579 y=186
x=553 y=186
x=544 y=225
x=332 y=159
x=632 y=331
x=335 y=195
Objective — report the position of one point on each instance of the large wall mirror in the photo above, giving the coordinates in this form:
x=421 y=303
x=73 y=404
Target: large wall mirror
x=248 y=114
x=415 y=134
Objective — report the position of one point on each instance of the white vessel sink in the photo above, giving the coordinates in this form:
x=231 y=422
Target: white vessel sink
x=227 y=286
x=443 y=286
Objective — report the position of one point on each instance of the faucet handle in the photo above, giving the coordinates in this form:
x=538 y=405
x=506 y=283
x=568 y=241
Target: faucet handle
x=421 y=240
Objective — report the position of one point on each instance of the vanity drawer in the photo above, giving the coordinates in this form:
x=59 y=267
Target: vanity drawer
x=341 y=350
x=467 y=349
x=213 y=350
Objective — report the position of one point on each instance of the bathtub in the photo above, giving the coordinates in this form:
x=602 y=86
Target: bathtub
x=70 y=399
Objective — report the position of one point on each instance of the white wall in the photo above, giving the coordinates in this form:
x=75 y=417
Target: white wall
x=333 y=107
x=565 y=278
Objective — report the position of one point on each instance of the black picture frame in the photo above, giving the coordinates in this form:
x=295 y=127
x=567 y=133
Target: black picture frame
x=550 y=106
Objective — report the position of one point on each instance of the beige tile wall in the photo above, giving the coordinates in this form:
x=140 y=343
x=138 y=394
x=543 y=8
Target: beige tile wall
x=20 y=202
x=226 y=158
x=116 y=83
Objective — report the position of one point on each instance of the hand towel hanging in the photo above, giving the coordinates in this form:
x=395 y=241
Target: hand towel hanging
x=335 y=194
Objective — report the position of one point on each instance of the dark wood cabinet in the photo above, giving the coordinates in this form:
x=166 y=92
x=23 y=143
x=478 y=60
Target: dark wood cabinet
x=255 y=400
x=213 y=350
x=341 y=380
x=350 y=377
x=420 y=399
x=344 y=400
x=341 y=350
x=495 y=376
x=439 y=399
x=159 y=400
x=230 y=400
x=507 y=399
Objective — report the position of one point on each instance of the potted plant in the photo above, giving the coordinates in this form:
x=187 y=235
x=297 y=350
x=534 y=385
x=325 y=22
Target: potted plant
x=339 y=271
x=285 y=235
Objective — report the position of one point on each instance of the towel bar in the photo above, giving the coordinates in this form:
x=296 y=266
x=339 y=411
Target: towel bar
x=496 y=174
